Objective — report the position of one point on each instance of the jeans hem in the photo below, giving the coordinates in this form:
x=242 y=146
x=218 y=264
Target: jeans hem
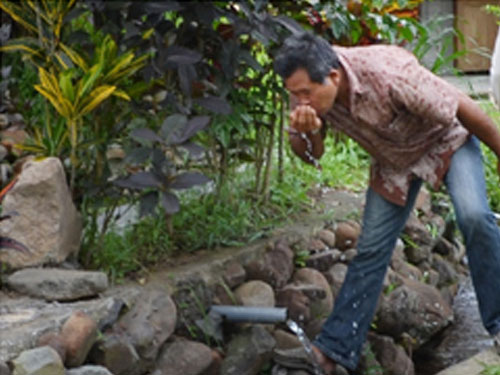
x=349 y=364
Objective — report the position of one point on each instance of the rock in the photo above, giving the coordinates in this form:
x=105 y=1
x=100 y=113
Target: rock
x=347 y=233
x=79 y=333
x=336 y=276
x=414 y=308
x=150 y=322
x=39 y=361
x=296 y=302
x=184 y=357
x=248 y=351
x=348 y=255
x=89 y=370
x=391 y=356
x=322 y=260
x=255 y=293
x=55 y=341
x=4 y=369
x=275 y=267
x=234 y=274
x=328 y=237
x=475 y=365
x=117 y=354
x=445 y=270
x=285 y=339
x=48 y=224
x=321 y=304
x=23 y=320
x=57 y=284
x=419 y=249
x=316 y=245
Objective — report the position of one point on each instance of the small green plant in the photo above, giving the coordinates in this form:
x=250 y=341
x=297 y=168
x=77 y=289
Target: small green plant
x=490 y=369
x=301 y=258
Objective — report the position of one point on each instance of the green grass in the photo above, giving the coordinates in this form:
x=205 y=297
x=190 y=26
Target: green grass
x=238 y=218
x=490 y=161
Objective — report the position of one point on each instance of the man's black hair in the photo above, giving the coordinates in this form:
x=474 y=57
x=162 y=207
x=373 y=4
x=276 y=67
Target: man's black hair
x=309 y=52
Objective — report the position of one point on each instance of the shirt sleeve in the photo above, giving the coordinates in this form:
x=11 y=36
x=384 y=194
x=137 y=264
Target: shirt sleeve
x=420 y=92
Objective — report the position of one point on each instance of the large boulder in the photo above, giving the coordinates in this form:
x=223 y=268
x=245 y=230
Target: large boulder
x=413 y=308
x=45 y=227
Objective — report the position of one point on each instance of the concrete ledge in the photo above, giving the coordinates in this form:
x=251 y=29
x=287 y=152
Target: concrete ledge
x=474 y=365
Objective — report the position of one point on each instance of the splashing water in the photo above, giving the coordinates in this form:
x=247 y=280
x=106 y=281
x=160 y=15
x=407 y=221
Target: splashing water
x=304 y=340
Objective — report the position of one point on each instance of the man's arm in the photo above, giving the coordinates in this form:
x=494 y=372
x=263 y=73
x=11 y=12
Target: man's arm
x=479 y=123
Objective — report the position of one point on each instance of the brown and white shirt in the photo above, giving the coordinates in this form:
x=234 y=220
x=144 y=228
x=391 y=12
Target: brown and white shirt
x=402 y=114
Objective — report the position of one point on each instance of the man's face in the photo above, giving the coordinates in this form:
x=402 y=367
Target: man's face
x=320 y=96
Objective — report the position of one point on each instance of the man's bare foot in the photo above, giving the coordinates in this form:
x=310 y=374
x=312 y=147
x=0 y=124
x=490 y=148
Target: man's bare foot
x=325 y=362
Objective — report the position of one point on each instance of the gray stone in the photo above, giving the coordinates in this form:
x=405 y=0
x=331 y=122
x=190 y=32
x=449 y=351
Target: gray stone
x=184 y=357
x=89 y=370
x=150 y=322
x=234 y=274
x=39 y=361
x=47 y=224
x=391 y=356
x=24 y=320
x=4 y=369
x=57 y=284
x=248 y=351
x=116 y=353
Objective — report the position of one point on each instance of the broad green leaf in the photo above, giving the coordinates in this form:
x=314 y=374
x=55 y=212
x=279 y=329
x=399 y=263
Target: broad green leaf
x=96 y=97
x=89 y=79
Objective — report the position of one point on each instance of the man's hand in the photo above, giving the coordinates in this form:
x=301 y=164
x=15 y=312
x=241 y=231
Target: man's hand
x=304 y=119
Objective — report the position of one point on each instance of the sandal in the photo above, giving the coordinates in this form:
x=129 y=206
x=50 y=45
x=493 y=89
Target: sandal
x=297 y=358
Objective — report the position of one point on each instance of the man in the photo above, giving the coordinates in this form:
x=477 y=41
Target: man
x=417 y=128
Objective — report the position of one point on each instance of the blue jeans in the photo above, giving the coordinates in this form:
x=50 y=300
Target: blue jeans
x=345 y=330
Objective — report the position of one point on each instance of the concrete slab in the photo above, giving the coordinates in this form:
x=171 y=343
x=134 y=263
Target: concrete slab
x=474 y=85
x=474 y=365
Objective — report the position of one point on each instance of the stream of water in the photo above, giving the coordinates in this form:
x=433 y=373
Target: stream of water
x=295 y=328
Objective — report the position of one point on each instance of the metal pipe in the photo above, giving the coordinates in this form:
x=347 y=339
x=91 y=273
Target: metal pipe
x=251 y=314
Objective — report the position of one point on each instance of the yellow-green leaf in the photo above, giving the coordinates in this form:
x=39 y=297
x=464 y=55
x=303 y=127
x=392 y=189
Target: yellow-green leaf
x=19 y=47
x=66 y=85
x=75 y=57
x=121 y=62
x=96 y=97
x=147 y=34
x=48 y=81
x=61 y=61
x=58 y=105
x=121 y=94
x=17 y=15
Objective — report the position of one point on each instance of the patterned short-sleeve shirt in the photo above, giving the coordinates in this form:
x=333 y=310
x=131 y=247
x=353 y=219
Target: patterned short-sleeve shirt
x=402 y=114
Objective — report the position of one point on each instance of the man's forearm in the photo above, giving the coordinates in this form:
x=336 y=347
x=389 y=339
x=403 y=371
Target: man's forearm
x=479 y=123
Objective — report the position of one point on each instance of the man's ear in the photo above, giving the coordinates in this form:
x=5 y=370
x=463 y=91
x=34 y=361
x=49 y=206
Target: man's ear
x=334 y=75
